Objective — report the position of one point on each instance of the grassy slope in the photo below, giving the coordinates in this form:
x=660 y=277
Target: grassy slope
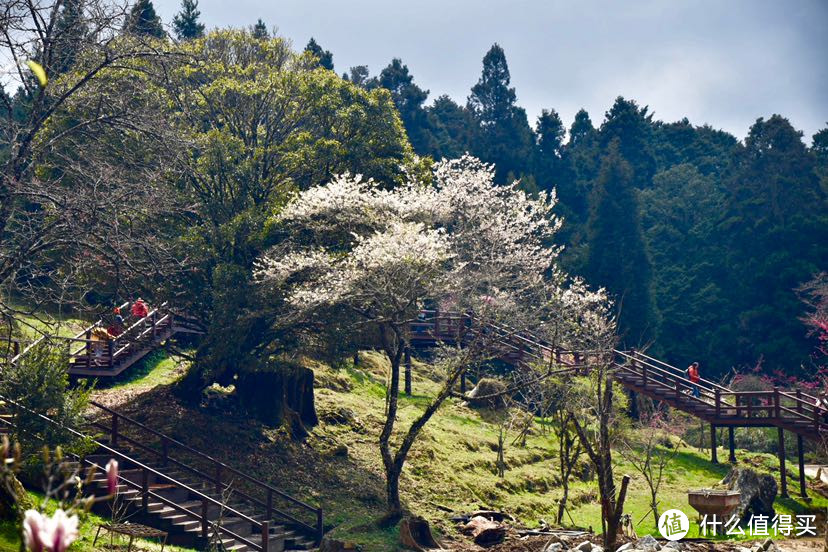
x=452 y=466
x=53 y=323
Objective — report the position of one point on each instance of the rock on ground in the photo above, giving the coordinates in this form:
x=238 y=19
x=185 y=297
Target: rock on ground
x=757 y=492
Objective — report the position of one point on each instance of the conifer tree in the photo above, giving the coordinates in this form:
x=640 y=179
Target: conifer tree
x=143 y=21
x=71 y=29
x=505 y=137
x=581 y=130
x=409 y=99
x=260 y=31
x=325 y=57
x=186 y=23
x=453 y=126
x=618 y=258
x=550 y=132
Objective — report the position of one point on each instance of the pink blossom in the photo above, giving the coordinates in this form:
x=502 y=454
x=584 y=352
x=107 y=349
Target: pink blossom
x=60 y=531
x=55 y=534
x=33 y=523
x=112 y=476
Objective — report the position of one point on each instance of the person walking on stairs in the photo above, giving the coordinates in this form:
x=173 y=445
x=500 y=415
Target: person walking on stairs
x=693 y=376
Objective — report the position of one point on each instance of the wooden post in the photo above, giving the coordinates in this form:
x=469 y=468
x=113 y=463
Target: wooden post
x=783 y=473
x=204 y=520
x=320 y=531
x=218 y=479
x=463 y=382
x=265 y=534
x=713 y=445
x=718 y=399
x=144 y=489
x=269 y=507
x=110 y=346
x=800 y=453
x=113 y=437
x=731 y=441
x=408 y=371
x=88 y=347
x=154 y=322
x=777 y=412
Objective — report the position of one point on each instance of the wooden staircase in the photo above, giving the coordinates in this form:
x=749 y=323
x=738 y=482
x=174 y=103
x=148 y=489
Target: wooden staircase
x=163 y=489
x=797 y=412
x=89 y=357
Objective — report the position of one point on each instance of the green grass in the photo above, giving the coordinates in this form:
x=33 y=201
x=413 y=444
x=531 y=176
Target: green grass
x=452 y=466
x=157 y=368
x=51 y=323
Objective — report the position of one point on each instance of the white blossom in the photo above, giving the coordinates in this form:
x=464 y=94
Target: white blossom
x=462 y=240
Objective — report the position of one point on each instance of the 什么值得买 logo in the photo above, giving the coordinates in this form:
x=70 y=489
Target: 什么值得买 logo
x=673 y=525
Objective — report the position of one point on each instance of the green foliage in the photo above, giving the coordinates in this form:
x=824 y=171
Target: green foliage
x=618 y=258
x=143 y=21
x=409 y=99
x=263 y=122
x=324 y=57
x=681 y=213
x=777 y=220
x=259 y=30
x=186 y=23
x=503 y=135
x=39 y=383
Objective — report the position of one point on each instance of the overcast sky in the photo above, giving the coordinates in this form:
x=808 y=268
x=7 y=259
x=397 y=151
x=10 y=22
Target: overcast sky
x=721 y=62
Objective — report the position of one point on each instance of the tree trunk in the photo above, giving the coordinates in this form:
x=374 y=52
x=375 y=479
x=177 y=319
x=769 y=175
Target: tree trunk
x=562 y=504
x=392 y=491
x=654 y=504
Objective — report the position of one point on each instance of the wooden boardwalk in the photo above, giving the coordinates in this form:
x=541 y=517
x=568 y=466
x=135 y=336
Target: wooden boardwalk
x=792 y=411
x=91 y=357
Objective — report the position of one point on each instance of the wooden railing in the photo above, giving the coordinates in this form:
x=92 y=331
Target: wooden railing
x=776 y=406
x=145 y=492
x=258 y=494
x=794 y=409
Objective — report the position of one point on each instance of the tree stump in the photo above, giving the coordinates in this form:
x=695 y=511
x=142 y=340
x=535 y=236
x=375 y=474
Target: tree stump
x=13 y=499
x=280 y=394
x=415 y=534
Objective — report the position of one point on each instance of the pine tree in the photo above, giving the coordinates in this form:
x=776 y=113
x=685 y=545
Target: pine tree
x=325 y=57
x=186 y=23
x=505 y=136
x=409 y=99
x=453 y=126
x=143 y=21
x=618 y=258
x=358 y=75
x=260 y=31
x=777 y=222
x=71 y=29
x=632 y=127
x=581 y=130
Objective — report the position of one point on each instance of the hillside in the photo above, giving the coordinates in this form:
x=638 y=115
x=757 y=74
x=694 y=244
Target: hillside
x=451 y=470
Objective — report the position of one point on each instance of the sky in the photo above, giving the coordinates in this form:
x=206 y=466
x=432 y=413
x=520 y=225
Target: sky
x=719 y=62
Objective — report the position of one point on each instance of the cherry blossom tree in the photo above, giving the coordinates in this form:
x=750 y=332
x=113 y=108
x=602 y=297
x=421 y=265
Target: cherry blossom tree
x=379 y=256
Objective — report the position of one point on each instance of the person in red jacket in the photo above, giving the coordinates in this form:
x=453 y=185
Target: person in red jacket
x=139 y=309
x=693 y=376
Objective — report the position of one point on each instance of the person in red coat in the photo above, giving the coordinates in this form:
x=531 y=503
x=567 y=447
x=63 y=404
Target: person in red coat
x=139 y=309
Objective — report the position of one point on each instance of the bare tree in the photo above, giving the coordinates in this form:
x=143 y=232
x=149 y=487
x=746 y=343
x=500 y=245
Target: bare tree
x=597 y=420
x=650 y=452
x=77 y=199
x=570 y=451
